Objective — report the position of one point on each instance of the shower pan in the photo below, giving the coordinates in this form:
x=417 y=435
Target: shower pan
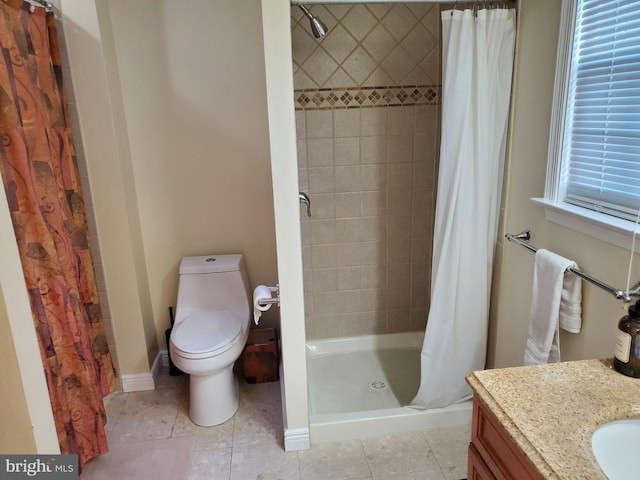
x=359 y=387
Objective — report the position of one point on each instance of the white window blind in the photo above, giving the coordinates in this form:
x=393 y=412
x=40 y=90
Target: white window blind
x=601 y=147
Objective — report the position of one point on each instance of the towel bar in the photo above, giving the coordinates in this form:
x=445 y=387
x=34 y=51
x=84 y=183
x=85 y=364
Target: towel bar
x=523 y=237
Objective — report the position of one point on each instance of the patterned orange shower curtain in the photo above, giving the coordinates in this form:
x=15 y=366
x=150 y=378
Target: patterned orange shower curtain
x=42 y=185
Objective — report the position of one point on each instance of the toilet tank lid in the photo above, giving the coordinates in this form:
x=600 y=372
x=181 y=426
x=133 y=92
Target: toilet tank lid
x=211 y=264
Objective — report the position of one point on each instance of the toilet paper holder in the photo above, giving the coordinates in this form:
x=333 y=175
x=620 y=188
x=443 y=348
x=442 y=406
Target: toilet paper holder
x=264 y=301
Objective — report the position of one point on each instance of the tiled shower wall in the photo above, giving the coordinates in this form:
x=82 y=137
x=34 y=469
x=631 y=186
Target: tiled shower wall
x=367 y=108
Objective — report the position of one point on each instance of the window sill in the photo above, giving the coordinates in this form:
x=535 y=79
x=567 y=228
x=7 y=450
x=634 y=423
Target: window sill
x=598 y=225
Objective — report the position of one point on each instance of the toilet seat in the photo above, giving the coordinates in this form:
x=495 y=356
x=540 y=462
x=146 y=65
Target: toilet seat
x=206 y=334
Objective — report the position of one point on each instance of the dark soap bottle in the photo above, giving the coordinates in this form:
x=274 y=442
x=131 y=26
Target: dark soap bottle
x=627 y=356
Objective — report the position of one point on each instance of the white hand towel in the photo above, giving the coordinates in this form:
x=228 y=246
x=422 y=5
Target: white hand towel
x=570 y=302
x=555 y=303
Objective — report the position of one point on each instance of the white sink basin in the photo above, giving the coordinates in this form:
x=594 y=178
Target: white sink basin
x=615 y=445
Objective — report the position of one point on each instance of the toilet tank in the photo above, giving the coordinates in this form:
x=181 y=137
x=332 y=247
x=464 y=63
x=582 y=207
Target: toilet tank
x=213 y=282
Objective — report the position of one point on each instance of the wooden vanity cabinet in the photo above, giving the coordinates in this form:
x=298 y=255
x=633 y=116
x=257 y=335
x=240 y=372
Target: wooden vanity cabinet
x=493 y=454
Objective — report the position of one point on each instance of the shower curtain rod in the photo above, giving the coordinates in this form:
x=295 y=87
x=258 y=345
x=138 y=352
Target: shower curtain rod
x=48 y=6
x=454 y=3
x=523 y=238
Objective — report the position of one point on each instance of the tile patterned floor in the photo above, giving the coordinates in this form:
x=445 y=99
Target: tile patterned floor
x=151 y=437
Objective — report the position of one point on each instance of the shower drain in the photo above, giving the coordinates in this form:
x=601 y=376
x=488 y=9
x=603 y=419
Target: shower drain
x=378 y=385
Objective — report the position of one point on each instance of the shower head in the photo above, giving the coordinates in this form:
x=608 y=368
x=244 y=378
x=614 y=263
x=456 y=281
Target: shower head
x=318 y=28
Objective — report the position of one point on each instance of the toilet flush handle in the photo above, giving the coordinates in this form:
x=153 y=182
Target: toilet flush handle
x=304 y=198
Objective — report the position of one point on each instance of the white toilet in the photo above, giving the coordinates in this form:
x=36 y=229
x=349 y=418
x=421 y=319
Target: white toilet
x=210 y=331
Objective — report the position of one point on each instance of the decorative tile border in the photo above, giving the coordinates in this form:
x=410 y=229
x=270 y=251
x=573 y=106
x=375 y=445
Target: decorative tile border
x=363 y=97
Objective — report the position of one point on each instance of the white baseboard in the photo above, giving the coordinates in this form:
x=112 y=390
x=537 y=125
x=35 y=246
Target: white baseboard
x=137 y=382
x=296 y=439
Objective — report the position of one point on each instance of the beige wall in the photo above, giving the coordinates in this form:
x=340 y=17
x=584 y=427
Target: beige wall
x=16 y=435
x=533 y=87
x=194 y=99
x=86 y=189
x=99 y=121
x=26 y=417
x=178 y=157
x=279 y=79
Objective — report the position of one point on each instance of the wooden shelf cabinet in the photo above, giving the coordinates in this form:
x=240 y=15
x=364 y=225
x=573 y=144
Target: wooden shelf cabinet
x=493 y=454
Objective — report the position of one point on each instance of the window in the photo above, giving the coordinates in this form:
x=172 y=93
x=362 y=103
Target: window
x=594 y=154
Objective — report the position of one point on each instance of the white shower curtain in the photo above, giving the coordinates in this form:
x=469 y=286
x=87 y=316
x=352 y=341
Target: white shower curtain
x=477 y=62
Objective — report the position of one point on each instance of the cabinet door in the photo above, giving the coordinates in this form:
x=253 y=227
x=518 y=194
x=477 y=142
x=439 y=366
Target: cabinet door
x=477 y=469
x=499 y=451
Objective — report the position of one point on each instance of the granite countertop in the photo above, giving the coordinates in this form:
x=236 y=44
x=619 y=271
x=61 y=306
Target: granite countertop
x=552 y=410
